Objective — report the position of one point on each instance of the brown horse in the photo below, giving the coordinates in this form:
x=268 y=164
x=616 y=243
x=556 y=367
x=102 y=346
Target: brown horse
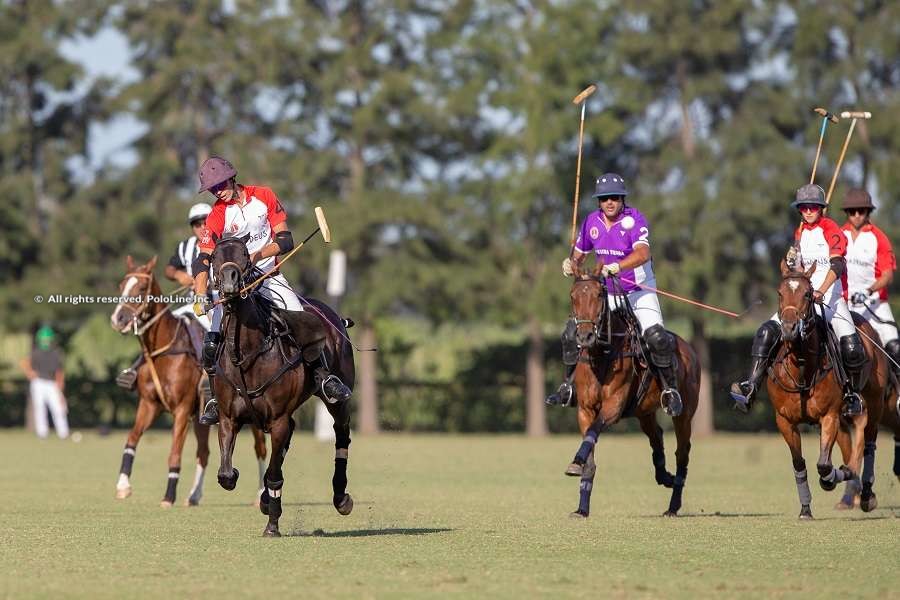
x=612 y=380
x=167 y=380
x=804 y=388
x=262 y=376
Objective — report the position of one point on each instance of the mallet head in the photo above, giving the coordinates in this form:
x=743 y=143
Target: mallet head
x=856 y=115
x=581 y=97
x=323 y=224
x=825 y=114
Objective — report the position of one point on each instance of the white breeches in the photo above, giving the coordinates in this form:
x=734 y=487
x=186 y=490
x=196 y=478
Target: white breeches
x=45 y=395
x=275 y=288
x=883 y=311
x=836 y=312
x=188 y=309
x=645 y=305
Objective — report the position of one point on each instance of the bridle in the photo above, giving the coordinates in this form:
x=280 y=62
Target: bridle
x=805 y=316
x=603 y=316
x=139 y=322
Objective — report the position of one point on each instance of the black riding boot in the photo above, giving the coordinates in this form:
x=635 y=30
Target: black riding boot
x=127 y=379
x=764 y=342
x=565 y=395
x=853 y=354
x=662 y=350
x=210 y=414
x=893 y=350
x=309 y=333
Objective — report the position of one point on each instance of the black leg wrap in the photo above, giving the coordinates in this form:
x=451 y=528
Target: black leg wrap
x=897 y=455
x=584 y=451
x=677 y=489
x=172 y=485
x=127 y=460
x=339 y=480
x=663 y=477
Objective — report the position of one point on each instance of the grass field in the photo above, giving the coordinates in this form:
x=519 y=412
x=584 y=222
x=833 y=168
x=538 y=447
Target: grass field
x=473 y=516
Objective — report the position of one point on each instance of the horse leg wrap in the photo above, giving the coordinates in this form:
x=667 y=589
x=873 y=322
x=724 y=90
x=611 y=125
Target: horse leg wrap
x=127 y=460
x=803 y=487
x=172 y=485
x=663 y=477
x=584 y=496
x=677 y=489
x=339 y=480
x=868 y=471
x=590 y=440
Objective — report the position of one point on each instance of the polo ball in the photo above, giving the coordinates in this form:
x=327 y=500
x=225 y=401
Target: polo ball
x=627 y=222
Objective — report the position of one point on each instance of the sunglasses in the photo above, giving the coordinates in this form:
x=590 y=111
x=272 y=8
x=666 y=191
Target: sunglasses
x=612 y=199
x=218 y=187
x=198 y=223
x=809 y=207
x=856 y=211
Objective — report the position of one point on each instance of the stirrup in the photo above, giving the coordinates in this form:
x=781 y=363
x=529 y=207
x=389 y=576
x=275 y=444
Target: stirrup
x=853 y=406
x=340 y=394
x=742 y=394
x=671 y=402
x=563 y=396
x=210 y=414
x=127 y=379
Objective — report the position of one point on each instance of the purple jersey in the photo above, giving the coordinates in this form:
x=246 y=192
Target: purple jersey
x=617 y=242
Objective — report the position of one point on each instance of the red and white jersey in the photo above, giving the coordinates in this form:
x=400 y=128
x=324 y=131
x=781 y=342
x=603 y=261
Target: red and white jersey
x=868 y=257
x=818 y=243
x=256 y=218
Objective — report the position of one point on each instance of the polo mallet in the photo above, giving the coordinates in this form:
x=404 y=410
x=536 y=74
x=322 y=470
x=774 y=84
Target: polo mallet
x=322 y=228
x=579 y=99
x=826 y=116
x=845 y=115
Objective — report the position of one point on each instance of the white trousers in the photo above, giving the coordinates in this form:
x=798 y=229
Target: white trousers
x=645 y=305
x=883 y=311
x=188 y=309
x=275 y=288
x=836 y=312
x=45 y=395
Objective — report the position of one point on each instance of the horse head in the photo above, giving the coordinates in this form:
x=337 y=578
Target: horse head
x=230 y=264
x=136 y=290
x=588 y=297
x=795 y=300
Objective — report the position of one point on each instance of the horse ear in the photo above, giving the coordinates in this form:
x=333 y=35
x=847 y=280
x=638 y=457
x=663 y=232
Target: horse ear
x=151 y=264
x=810 y=270
x=129 y=263
x=598 y=268
x=245 y=239
x=785 y=271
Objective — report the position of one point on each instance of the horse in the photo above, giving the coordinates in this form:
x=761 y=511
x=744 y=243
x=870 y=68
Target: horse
x=803 y=387
x=613 y=380
x=261 y=377
x=168 y=379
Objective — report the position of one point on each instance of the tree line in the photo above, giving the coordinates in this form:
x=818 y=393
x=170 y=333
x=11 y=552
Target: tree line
x=440 y=137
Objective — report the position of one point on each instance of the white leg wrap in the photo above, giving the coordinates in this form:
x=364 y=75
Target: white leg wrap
x=123 y=483
x=342 y=453
x=197 y=488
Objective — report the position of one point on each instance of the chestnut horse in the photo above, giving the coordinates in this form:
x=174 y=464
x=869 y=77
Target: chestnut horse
x=168 y=379
x=262 y=378
x=612 y=381
x=804 y=388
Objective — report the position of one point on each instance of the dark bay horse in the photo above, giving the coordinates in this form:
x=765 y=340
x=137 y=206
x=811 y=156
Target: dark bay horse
x=262 y=378
x=804 y=388
x=168 y=379
x=612 y=381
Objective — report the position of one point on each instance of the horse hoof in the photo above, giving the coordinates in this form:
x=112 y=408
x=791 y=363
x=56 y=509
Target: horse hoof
x=869 y=505
x=192 y=502
x=804 y=517
x=805 y=513
x=345 y=506
x=828 y=486
x=670 y=513
x=271 y=531
x=166 y=504
x=123 y=493
x=578 y=515
x=574 y=470
x=229 y=483
x=842 y=505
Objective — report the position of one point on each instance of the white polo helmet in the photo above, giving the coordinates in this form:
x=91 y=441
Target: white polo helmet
x=199 y=211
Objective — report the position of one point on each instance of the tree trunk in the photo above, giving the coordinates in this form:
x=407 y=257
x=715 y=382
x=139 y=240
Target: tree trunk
x=702 y=423
x=535 y=409
x=368 y=383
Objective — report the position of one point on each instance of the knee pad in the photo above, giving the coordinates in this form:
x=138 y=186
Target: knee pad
x=893 y=349
x=767 y=336
x=210 y=350
x=661 y=344
x=852 y=351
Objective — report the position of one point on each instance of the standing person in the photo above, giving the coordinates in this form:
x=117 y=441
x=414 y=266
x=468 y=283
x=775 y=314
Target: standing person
x=254 y=211
x=817 y=240
x=620 y=236
x=870 y=269
x=179 y=269
x=45 y=373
